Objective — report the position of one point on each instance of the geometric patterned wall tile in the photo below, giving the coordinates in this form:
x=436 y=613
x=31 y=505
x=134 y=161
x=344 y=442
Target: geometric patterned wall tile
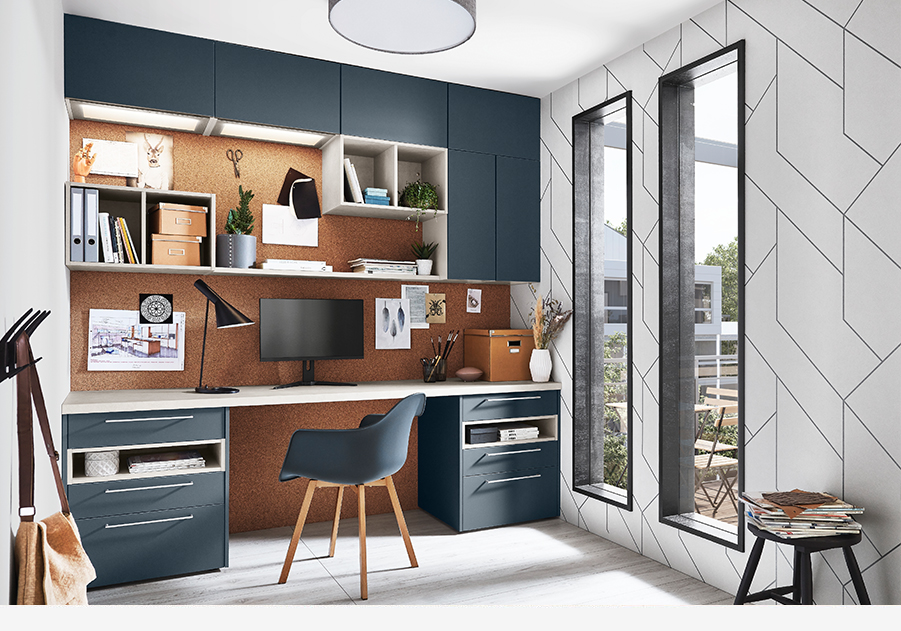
x=638 y=71
x=878 y=22
x=760 y=48
x=872 y=292
x=649 y=157
x=760 y=458
x=760 y=220
x=713 y=21
x=544 y=160
x=882 y=579
x=565 y=105
x=554 y=138
x=698 y=42
x=872 y=93
x=593 y=88
x=760 y=408
x=875 y=212
x=805 y=460
x=661 y=48
x=813 y=35
x=810 y=133
x=644 y=206
x=839 y=10
x=561 y=210
x=810 y=308
x=877 y=403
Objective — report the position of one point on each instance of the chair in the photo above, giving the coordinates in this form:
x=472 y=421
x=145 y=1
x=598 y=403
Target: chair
x=723 y=402
x=366 y=456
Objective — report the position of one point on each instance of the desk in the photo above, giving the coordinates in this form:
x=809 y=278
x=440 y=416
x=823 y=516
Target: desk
x=243 y=437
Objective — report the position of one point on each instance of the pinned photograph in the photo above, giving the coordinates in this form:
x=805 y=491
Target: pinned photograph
x=156 y=308
x=392 y=323
x=435 y=308
x=118 y=341
x=154 y=160
x=473 y=301
x=416 y=295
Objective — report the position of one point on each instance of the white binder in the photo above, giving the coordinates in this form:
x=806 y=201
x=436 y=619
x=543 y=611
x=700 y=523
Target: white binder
x=76 y=224
x=91 y=234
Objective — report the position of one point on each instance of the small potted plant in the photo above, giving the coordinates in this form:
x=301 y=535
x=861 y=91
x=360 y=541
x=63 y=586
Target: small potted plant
x=238 y=248
x=419 y=195
x=423 y=252
x=548 y=319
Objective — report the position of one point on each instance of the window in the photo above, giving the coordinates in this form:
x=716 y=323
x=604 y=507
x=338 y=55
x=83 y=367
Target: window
x=602 y=322
x=701 y=296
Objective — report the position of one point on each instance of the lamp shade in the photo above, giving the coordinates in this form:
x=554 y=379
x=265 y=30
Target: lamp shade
x=404 y=26
x=226 y=315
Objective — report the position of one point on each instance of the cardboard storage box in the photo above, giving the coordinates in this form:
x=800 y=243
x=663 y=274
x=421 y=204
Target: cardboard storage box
x=501 y=354
x=180 y=219
x=174 y=250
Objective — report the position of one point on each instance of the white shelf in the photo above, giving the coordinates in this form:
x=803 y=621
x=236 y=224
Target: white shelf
x=547 y=431
x=212 y=450
x=382 y=212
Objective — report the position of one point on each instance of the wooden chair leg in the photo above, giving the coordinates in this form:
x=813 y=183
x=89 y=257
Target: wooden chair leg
x=331 y=548
x=398 y=513
x=298 y=528
x=361 y=517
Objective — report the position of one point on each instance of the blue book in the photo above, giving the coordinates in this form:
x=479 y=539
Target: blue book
x=381 y=201
x=378 y=192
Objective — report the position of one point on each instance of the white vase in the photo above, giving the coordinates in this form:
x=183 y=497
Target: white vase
x=540 y=364
x=423 y=267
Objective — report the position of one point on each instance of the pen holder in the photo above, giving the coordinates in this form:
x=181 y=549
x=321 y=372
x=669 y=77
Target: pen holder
x=434 y=370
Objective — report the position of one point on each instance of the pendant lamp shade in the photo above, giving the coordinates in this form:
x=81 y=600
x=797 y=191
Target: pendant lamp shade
x=408 y=27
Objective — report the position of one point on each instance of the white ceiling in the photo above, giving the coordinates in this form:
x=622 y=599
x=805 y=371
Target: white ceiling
x=527 y=47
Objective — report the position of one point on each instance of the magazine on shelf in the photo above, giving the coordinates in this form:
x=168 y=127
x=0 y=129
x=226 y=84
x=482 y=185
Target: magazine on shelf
x=165 y=461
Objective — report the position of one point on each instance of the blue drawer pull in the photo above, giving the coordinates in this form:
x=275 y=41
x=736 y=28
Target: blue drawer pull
x=152 y=521
x=507 y=453
x=525 y=477
x=157 y=418
x=149 y=488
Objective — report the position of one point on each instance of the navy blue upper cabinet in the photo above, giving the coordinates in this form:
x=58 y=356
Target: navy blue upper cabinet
x=388 y=106
x=493 y=122
x=262 y=86
x=470 y=216
x=518 y=220
x=128 y=65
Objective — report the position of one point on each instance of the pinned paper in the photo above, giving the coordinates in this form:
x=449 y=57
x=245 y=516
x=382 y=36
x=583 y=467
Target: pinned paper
x=435 y=308
x=282 y=227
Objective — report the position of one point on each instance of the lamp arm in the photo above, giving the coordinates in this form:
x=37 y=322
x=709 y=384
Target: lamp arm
x=206 y=319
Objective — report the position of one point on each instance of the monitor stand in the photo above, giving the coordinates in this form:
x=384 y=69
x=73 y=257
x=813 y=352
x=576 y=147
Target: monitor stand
x=309 y=379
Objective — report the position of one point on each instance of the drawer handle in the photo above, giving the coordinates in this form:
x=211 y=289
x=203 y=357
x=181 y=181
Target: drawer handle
x=525 y=477
x=155 y=418
x=149 y=488
x=510 y=399
x=152 y=521
x=507 y=453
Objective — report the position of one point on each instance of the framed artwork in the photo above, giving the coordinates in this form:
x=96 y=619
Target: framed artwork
x=118 y=341
x=154 y=160
x=392 y=323
x=435 y=308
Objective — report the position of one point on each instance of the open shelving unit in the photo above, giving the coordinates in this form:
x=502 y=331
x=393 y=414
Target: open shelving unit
x=547 y=431
x=213 y=452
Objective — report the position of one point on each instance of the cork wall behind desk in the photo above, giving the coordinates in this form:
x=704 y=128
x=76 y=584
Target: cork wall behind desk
x=259 y=435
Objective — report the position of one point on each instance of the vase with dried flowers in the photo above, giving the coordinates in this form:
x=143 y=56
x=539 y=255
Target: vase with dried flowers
x=548 y=319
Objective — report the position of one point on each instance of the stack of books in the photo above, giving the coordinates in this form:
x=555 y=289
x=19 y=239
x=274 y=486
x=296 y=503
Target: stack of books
x=289 y=264
x=166 y=461
x=797 y=513
x=382 y=266
x=352 y=190
x=377 y=196
x=116 y=243
x=517 y=431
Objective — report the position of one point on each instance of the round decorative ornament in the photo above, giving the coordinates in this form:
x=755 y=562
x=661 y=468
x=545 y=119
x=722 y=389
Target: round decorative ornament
x=156 y=309
x=101 y=463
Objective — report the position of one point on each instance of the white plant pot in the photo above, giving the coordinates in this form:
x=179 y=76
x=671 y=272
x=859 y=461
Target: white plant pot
x=423 y=267
x=540 y=364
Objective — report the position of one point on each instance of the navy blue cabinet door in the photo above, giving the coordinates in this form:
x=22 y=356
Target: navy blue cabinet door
x=128 y=65
x=470 y=216
x=518 y=221
x=262 y=86
x=493 y=122
x=388 y=106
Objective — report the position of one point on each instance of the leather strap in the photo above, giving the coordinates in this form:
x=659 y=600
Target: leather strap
x=26 y=437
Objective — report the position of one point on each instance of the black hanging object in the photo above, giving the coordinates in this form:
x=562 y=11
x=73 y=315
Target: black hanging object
x=299 y=192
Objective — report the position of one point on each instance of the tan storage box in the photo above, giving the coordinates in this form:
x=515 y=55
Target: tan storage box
x=501 y=354
x=181 y=219
x=174 y=250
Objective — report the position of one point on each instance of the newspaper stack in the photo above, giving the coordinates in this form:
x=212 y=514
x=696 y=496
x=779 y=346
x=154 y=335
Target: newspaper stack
x=382 y=266
x=167 y=461
x=799 y=513
x=517 y=431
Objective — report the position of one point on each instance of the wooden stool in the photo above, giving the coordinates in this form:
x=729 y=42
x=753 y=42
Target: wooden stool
x=802 y=577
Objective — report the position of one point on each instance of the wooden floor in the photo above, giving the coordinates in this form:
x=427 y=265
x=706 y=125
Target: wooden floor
x=547 y=562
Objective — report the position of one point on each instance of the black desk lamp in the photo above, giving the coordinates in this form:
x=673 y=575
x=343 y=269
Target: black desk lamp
x=226 y=317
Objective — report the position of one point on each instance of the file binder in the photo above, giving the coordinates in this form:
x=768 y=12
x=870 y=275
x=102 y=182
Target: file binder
x=76 y=224
x=91 y=234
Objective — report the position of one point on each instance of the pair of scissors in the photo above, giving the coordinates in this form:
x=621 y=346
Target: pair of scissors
x=235 y=157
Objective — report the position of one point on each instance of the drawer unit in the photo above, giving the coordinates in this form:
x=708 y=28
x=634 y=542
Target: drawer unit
x=509 y=457
x=509 y=405
x=154 y=544
x=118 y=497
x=137 y=428
x=509 y=497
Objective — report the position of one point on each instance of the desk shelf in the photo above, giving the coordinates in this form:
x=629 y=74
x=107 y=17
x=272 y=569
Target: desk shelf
x=213 y=453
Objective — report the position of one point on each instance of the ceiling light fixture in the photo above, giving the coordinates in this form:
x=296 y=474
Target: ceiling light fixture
x=408 y=27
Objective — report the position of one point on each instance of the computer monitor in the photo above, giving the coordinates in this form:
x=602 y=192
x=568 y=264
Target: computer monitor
x=310 y=329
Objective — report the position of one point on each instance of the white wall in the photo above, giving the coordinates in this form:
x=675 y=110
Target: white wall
x=823 y=268
x=33 y=168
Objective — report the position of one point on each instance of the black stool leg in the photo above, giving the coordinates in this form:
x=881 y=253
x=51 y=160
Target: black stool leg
x=806 y=578
x=746 y=578
x=856 y=576
x=796 y=577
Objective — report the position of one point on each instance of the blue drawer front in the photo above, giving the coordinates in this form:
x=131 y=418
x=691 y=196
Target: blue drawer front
x=138 y=428
x=148 y=545
x=514 y=405
x=510 y=497
x=509 y=458
x=119 y=497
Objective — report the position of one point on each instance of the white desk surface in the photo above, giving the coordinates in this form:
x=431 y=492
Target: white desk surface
x=87 y=402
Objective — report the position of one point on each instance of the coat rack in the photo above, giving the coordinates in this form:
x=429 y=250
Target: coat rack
x=27 y=324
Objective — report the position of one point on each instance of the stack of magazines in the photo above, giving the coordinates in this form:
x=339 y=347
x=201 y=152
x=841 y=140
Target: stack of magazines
x=166 y=461
x=517 y=431
x=797 y=513
x=382 y=266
